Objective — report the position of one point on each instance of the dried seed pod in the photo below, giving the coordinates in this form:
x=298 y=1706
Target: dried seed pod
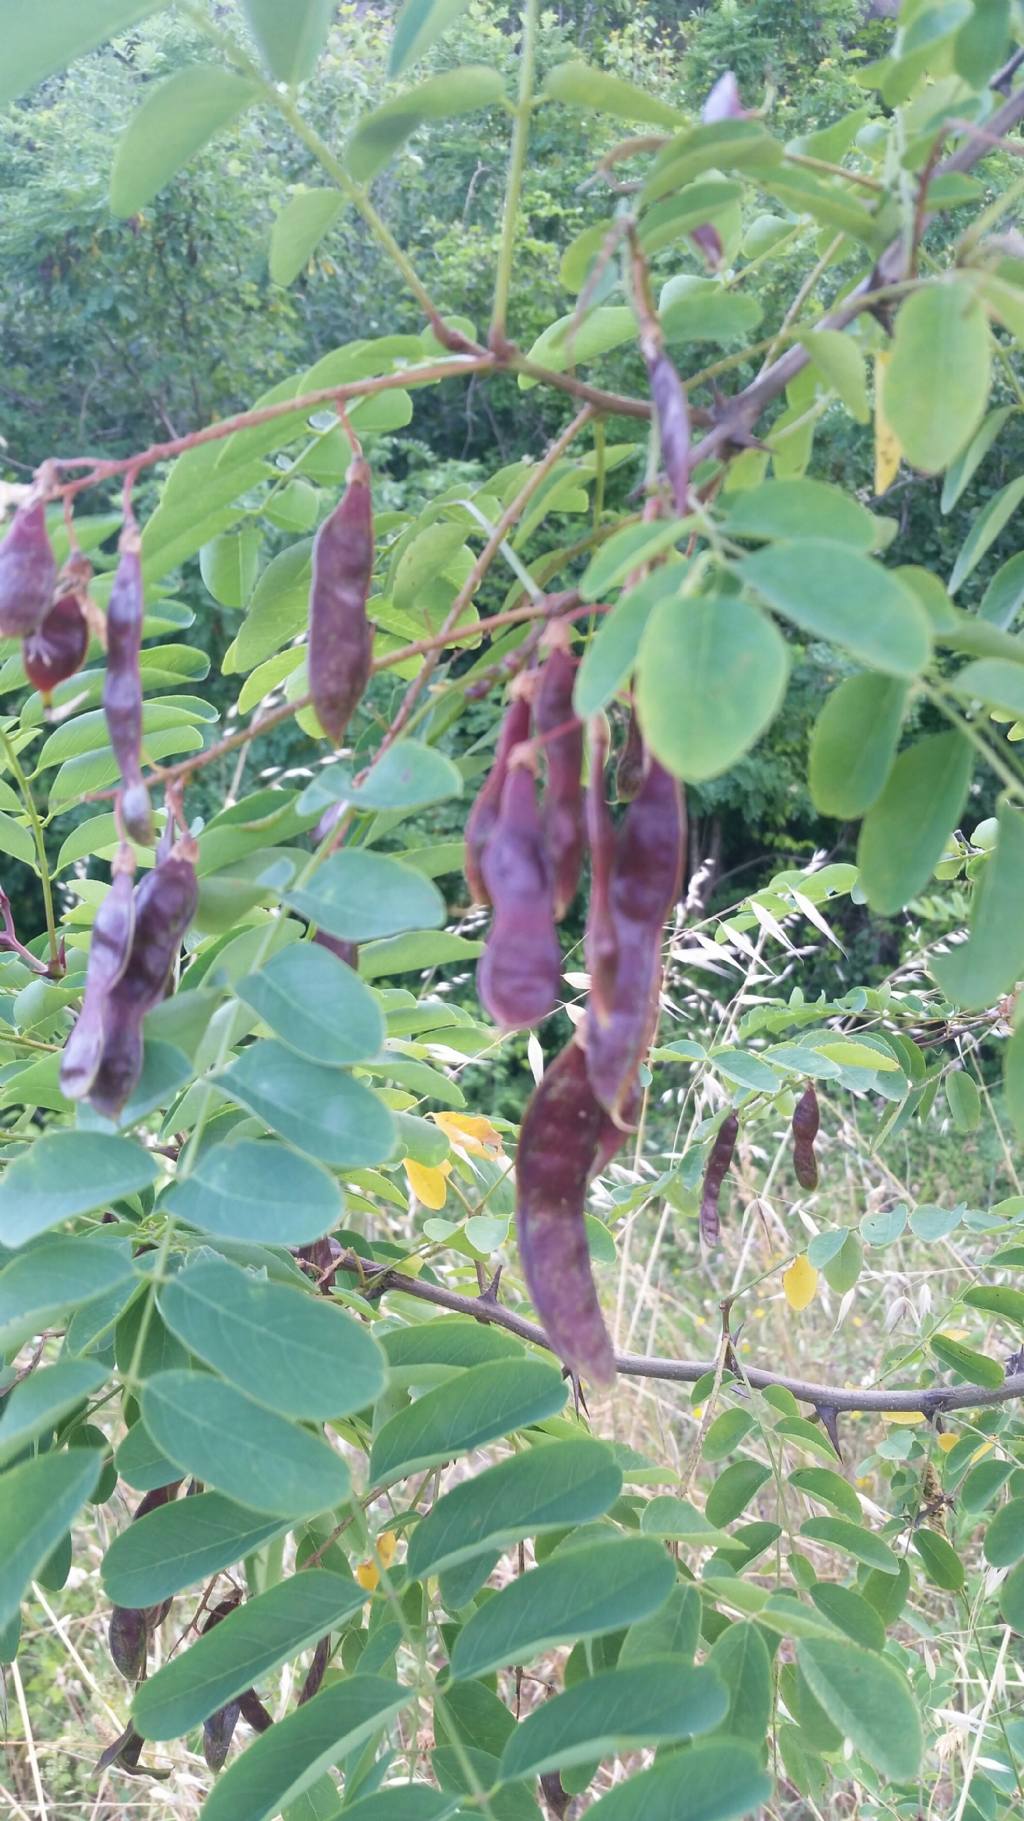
x=515 y=728
x=629 y=767
x=165 y=904
x=644 y=887
x=122 y=684
x=109 y=950
x=57 y=649
x=600 y=941
x=217 y=1733
x=28 y=572
x=558 y=1146
x=804 y=1125
x=519 y=971
x=562 y=734
x=128 y=1637
x=340 y=636
x=673 y=415
x=714 y=1176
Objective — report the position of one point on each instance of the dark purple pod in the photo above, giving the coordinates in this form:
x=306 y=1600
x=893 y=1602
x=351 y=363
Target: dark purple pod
x=109 y=950
x=562 y=808
x=28 y=572
x=122 y=684
x=515 y=728
x=253 y=1711
x=217 y=1734
x=804 y=1125
x=519 y=972
x=673 y=415
x=558 y=1145
x=340 y=635
x=644 y=887
x=714 y=1175
x=128 y=1637
x=315 y=1673
x=165 y=903
x=57 y=649
x=600 y=943
x=345 y=951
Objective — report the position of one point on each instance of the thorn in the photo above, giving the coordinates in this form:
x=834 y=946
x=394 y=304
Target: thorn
x=489 y=1297
x=828 y=1417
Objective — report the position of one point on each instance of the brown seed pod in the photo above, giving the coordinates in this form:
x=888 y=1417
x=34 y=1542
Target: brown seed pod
x=558 y=1147
x=520 y=969
x=644 y=887
x=217 y=1733
x=28 y=572
x=340 y=635
x=629 y=767
x=714 y=1175
x=562 y=734
x=57 y=649
x=804 y=1126
x=515 y=728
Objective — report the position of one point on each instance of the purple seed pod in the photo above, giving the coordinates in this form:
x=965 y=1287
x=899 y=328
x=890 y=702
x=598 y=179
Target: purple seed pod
x=644 y=888
x=57 y=649
x=254 y=1712
x=217 y=1733
x=345 y=951
x=557 y=1148
x=122 y=684
x=562 y=733
x=708 y=241
x=165 y=903
x=109 y=950
x=601 y=945
x=28 y=572
x=340 y=636
x=515 y=728
x=128 y=1637
x=804 y=1126
x=673 y=415
x=520 y=969
x=315 y=1672
x=714 y=1176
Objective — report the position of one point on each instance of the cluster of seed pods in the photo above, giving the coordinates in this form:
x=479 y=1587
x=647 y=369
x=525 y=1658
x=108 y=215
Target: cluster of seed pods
x=136 y=941
x=46 y=611
x=525 y=854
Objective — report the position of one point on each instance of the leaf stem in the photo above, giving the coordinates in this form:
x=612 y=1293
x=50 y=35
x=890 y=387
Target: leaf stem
x=43 y=865
x=514 y=184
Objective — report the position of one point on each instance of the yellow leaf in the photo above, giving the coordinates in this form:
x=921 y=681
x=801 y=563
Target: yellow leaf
x=903 y=1416
x=386 y=1544
x=471 y=1132
x=428 y=1182
x=985 y=1448
x=946 y=1441
x=368 y=1575
x=800 y=1282
x=887 y=449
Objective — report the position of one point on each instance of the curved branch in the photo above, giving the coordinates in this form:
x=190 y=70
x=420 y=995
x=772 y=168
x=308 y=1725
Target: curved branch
x=937 y=1400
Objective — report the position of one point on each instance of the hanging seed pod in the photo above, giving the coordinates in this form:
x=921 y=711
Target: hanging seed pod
x=165 y=904
x=253 y=1711
x=57 y=648
x=557 y=1150
x=601 y=946
x=644 y=887
x=629 y=768
x=128 y=1638
x=315 y=1672
x=340 y=636
x=217 y=1733
x=345 y=951
x=673 y=415
x=562 y=734
x=520 y=969
x=714 y=1176
x=28 y=572
x=109 y=950
x=122 y=685
x=515 y=728
x=805 y=1122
